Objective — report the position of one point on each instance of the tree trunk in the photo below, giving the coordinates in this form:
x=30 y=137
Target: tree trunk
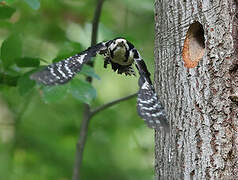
x=196 y=77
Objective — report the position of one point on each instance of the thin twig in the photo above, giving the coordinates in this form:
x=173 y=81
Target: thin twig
x=96 y=22
x=86 y=115
x=84 y=129
x=81 y=144
x=101 y=108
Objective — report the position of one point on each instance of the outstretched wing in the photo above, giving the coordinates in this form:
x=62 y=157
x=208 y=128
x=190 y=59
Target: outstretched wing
x=62 y=71
x=148 y=105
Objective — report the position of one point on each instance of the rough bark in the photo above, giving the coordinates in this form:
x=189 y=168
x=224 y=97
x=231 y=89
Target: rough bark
x=201 y=101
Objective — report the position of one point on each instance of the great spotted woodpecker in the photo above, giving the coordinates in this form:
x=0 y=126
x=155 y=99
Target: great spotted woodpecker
x=121 y=54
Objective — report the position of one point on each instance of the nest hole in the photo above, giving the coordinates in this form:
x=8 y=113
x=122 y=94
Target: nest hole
x=194 y=45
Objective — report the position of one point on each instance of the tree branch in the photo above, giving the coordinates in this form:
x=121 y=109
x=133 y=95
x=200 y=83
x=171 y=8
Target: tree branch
x=95 y=22
x=81 y=143
x=86 y=115
x=101 y=108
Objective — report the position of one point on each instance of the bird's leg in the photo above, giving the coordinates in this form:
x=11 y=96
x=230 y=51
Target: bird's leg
x=106 y=62
x=128 y=70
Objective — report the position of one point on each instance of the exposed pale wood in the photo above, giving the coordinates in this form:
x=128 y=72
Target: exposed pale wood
x=203 y=140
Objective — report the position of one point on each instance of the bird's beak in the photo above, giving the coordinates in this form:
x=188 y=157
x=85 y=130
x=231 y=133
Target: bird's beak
x=121 y=44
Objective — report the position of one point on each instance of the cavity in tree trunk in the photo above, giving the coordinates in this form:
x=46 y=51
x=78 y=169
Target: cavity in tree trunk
x=196 y=78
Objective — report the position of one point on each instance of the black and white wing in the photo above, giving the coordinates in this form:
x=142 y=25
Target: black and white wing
x=148 y=105
x=121 y=54
x=63 y=71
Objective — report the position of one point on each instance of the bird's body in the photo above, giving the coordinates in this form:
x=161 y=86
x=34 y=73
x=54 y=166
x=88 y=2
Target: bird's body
x=121 y=54
x=120 y=58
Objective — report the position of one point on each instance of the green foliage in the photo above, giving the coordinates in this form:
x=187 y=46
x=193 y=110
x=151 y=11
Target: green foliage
x=25 y=84
x=68 y=48
x=8 y=80
x=11 y=50
x=82 y=90
x=79 y=89
x=54 y=93
x=27 y=62
x=7 y=1
x=89 y=71
x=5 y=24
x=6 y=12
x=34 y=4
x=35 y=33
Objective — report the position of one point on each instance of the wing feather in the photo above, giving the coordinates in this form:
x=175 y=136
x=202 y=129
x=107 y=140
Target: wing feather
x=63 y=71
x=149 y=107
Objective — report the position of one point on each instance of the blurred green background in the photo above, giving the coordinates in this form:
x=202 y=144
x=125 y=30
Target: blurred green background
x=39 y=126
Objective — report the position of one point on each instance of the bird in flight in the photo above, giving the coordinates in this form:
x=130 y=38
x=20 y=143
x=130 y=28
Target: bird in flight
x=121 y=55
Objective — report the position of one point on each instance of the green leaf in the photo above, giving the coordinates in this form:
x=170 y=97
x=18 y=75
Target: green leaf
x=82 y=90
x=25 y=84
x=54 y=93
x=6 y=12
x=54 y=32
x=28 y=62
x=8 y=80
x=11 y=50
x=89 y=71
x=34 y=4
x=12 y=72
x=68 y=49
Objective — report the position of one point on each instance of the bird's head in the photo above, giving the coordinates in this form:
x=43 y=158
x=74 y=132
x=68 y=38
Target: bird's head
x=118 y=43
